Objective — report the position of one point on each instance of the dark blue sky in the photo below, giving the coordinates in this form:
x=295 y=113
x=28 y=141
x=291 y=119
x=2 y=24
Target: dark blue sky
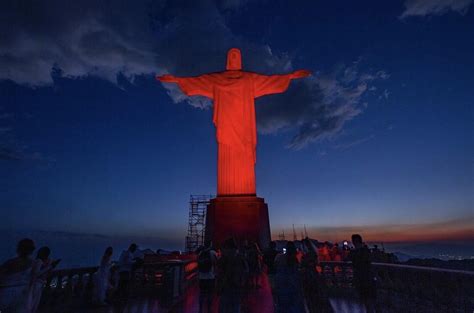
x=379 y=138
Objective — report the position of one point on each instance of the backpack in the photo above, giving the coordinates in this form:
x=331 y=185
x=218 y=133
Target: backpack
x=231 y=272
x=205 y=261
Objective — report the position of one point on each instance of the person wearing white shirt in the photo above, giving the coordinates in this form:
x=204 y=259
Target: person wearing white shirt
x=15 y=279
x=207 y=260
x=126 y=262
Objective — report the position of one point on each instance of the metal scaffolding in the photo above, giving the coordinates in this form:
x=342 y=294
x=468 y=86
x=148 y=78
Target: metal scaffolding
x=197 y=221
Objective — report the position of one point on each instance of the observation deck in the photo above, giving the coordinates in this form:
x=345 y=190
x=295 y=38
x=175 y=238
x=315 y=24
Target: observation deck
x=171 y=286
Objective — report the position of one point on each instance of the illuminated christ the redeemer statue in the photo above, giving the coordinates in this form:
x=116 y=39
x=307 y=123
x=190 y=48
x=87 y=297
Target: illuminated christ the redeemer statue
x=233 y=92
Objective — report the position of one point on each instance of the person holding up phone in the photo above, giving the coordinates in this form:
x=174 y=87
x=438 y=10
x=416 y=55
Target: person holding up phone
x=42 y=266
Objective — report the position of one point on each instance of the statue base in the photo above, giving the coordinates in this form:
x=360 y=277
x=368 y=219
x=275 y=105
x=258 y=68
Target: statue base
x=239 y=217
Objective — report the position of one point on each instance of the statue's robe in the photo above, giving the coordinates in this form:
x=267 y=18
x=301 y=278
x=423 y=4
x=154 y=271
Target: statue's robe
x=233 y=94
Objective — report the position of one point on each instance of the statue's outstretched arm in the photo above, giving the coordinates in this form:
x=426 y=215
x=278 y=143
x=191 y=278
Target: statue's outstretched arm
x=300 y=74
x=271 y=84
x=167 y=78
x=191 y=86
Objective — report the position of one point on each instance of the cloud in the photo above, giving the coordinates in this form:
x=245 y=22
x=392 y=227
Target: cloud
x=347 y=145
x=76 y=37
x=384 y=95
x=318 y=106
x=434 y=7
x=8 y=154
x=11 y=150
x=10 y=147
x=129 y=39
x=12 y=154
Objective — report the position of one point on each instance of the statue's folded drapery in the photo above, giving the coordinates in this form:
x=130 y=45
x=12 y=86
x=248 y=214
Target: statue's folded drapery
x=233 y=94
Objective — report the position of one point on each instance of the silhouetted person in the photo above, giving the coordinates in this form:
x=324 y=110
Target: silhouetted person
x=288 y=282
x=345 y=251
x=363 y=279
x=126 y=262
x=15 y=279
x=102 y=277
x=313 y=283
x=254 y=256
x=378 y=255
x=139 y=258
x=41 y=268
x=207 y=261
x=269 y=257
x=230 y=278
x=336 y=254
x=269 y=260
x=324 y=253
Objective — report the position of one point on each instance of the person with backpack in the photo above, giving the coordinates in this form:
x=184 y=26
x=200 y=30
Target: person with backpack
x=207 y=260
x=288 y=291
x=254 y=260
x=230 y=277
x=363 y=278
x=126 y=265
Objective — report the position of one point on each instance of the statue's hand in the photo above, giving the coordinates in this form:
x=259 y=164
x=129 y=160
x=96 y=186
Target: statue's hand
x=301 y=74
x=167 y=78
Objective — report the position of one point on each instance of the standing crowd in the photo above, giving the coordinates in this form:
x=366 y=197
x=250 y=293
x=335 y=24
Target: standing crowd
x=23 y=278
x=294 y=275
x=228 y=275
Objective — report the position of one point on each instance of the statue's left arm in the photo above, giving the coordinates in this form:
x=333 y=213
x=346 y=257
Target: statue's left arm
x=270 y=84
x=191 y=86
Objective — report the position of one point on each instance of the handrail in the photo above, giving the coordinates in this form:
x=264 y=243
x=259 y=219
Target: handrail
x=394 y=286
x=425 y=268
x=72 y=287
x=74 y=270
x=404 y=288
x=405 y=266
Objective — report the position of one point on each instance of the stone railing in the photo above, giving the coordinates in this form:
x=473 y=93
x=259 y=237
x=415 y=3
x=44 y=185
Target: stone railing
x=69 y=287
x=75 y=287
x=400 y=288
x=170 y=278
x=405 y=288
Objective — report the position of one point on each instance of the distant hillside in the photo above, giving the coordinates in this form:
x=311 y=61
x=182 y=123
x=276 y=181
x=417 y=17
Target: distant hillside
x=403 y=257
x=464 y=265
x=438 y=250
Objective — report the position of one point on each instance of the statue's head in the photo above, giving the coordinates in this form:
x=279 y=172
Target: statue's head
x=234 y=60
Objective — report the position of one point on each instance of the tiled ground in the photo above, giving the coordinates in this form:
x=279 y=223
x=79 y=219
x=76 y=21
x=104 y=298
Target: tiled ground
x=255 y=301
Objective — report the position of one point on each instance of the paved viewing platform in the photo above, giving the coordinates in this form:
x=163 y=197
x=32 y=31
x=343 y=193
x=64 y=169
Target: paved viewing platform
x=256 y=301
x=171 y=286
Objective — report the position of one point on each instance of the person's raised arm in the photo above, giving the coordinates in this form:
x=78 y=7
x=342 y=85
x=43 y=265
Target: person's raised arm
x=35 y=272
x=191 y=86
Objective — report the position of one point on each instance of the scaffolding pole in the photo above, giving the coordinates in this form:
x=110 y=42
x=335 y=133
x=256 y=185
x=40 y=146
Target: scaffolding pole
x=197 y=221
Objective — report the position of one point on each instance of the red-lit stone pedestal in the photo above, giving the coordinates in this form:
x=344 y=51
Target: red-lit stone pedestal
x=240 y=217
